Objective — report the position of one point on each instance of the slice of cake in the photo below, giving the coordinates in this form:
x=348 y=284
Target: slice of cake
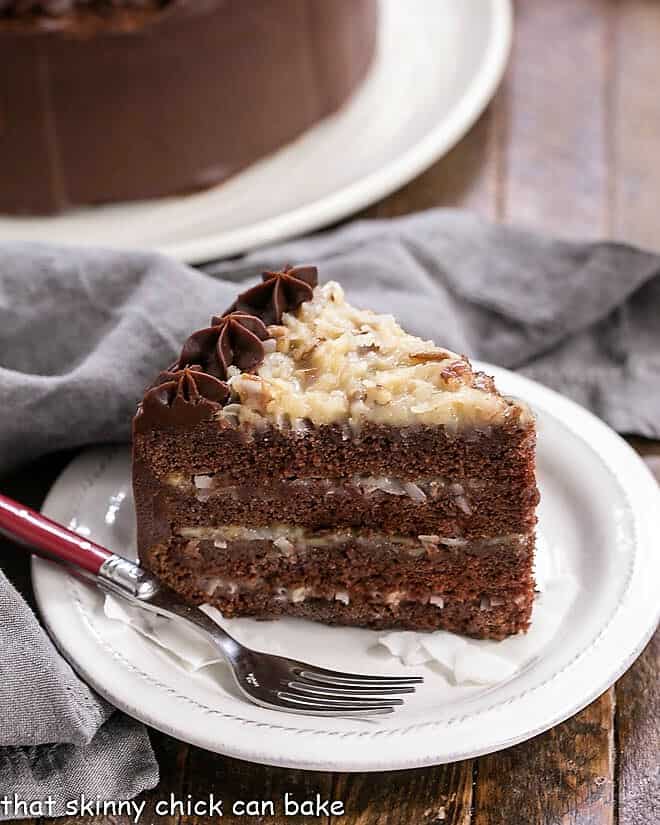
x=306 y=458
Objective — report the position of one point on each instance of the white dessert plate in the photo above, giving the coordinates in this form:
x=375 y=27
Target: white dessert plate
x=437 y=66
x=599 y=517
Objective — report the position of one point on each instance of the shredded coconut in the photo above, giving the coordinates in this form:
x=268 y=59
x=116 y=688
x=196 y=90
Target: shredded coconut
x=342 y=596
x=335 y=363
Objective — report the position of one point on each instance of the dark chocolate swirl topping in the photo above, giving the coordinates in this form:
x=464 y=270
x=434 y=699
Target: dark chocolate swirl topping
x=234 y=339
x=195 y=385
x=279 y=292
x=188 y=394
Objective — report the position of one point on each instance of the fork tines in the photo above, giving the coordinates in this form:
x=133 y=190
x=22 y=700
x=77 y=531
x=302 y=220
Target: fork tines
x=333 y=693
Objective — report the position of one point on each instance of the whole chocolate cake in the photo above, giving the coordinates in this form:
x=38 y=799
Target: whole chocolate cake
x=306 y=458
x=112 y=100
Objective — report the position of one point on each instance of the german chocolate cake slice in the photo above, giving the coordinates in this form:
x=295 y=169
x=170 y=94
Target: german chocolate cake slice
x=307 y=458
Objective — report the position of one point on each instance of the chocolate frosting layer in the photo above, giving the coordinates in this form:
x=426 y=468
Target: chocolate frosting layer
x=234 y=339
x=183 y=396
x=280 y=292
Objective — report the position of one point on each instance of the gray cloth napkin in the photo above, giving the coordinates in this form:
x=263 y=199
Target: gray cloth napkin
x=82 y=332
x=57 y=738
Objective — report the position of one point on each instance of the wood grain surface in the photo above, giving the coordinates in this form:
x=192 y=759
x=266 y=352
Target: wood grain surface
x=571 y=145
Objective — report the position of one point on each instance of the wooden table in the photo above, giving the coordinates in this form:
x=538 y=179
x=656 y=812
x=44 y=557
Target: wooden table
x=570 y=144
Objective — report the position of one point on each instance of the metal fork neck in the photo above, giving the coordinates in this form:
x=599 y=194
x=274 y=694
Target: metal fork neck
x=123 y=577
x=128 y=577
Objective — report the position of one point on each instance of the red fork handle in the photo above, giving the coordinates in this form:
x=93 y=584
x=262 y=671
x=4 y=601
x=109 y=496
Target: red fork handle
x=48 y=538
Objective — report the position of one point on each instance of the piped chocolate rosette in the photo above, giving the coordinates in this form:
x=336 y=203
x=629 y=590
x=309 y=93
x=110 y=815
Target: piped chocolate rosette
x=196 y=385
x=279 y=292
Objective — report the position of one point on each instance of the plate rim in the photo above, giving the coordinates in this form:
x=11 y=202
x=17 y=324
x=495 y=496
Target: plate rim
x=286 y=755
x=329 y=208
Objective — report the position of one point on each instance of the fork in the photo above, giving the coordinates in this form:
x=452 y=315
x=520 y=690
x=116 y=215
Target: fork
x=271 y=681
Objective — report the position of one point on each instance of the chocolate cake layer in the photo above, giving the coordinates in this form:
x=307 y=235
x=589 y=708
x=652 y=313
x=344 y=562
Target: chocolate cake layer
x=100 y=104
x=502 y=455
x=388 y=580
x=347 y=587
x=468 y=508
x=500 y=501
x=366 y=564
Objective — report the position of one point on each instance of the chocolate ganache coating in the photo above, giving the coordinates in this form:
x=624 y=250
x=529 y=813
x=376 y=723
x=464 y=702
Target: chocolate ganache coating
x=278 y=293
x=119 y=100
x=184 y=396
x=234 y=339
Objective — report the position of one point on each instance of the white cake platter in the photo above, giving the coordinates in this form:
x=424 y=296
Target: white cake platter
x=599 y=519
x=437 y=66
